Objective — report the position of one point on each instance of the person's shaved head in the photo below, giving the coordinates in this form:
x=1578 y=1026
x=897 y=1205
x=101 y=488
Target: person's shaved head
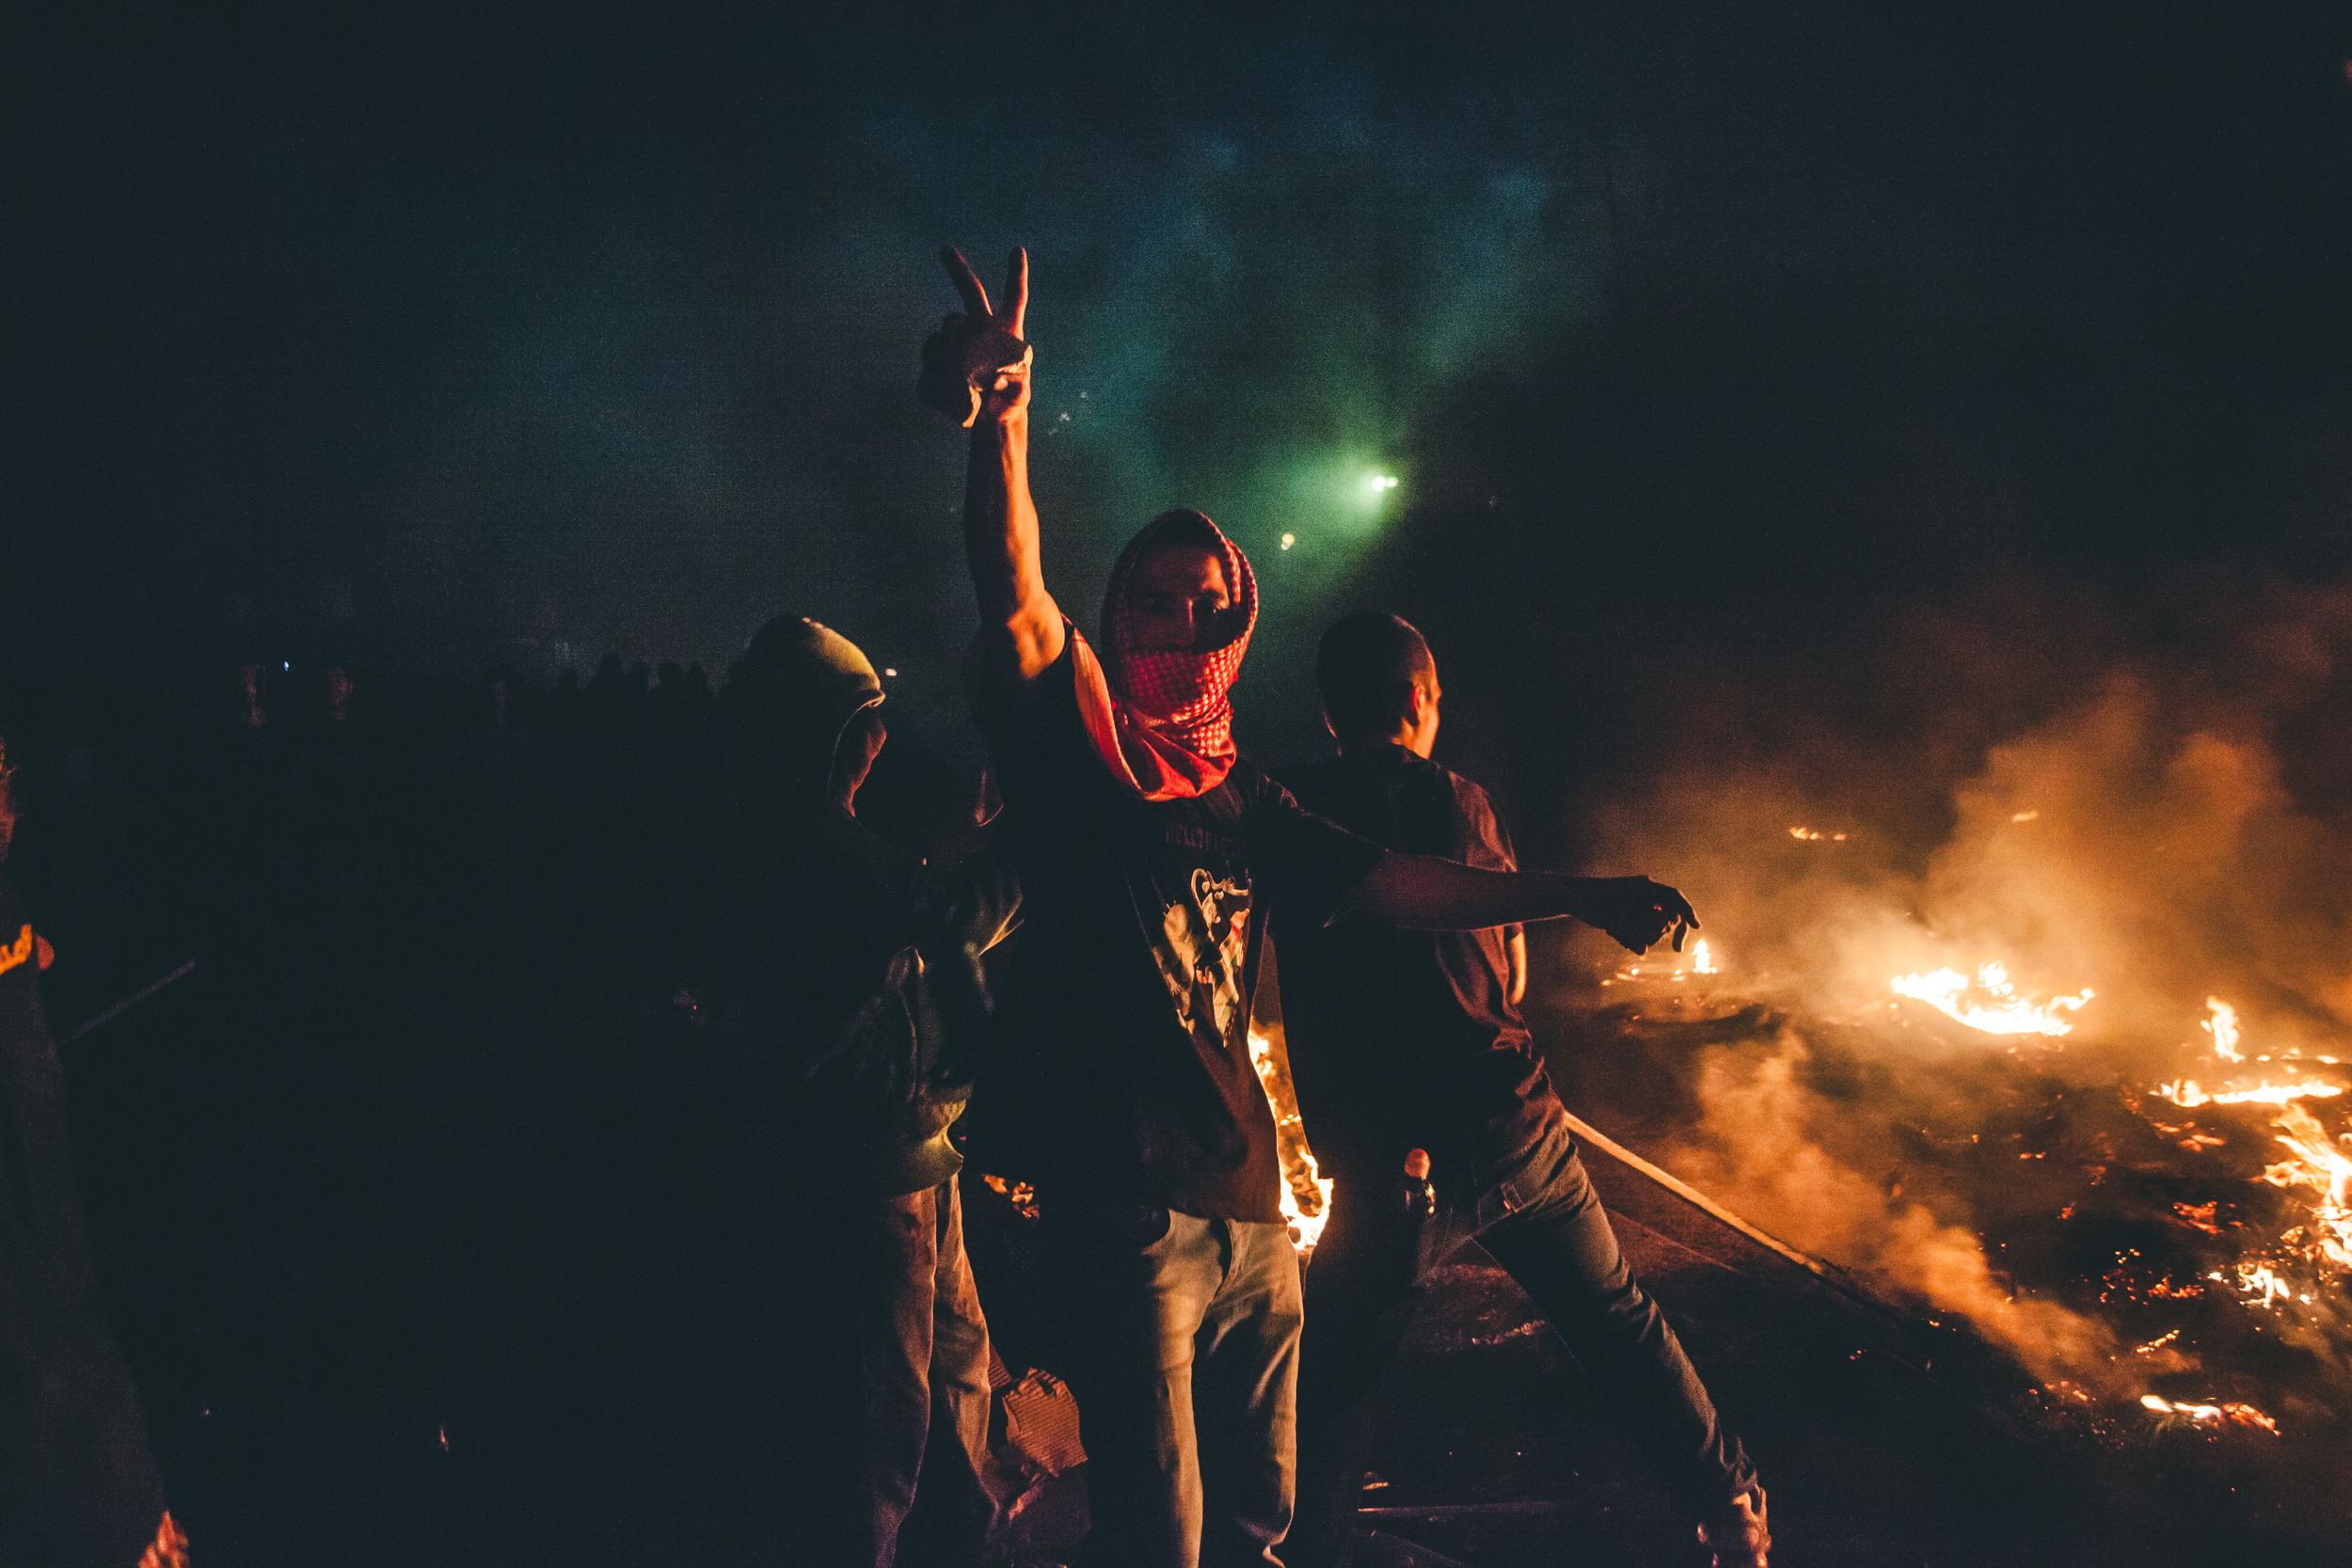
x=1366 y=670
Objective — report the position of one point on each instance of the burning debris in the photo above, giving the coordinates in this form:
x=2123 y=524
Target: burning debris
x=2323 y=1166
x=2185 y=1093
x=2080 y=1084
x=2228 y=1413
x=2002 y=1009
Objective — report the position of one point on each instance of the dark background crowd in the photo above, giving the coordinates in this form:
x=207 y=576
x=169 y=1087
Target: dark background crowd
x=420 y=1219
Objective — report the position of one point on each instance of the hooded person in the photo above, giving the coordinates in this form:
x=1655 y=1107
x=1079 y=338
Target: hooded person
x=852 y=974
x=1119 y=1081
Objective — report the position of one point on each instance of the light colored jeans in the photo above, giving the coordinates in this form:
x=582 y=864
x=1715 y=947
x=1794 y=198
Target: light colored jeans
x=1185 y=1358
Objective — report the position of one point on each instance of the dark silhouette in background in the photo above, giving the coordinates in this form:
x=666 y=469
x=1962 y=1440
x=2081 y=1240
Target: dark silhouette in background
x=424 y=1223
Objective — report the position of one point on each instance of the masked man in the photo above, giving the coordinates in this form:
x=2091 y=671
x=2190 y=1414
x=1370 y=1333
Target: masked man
x=1407 y=1047
x=1119 y=1081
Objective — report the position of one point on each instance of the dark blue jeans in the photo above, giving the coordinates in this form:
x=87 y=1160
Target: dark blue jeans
x=1538 y=1215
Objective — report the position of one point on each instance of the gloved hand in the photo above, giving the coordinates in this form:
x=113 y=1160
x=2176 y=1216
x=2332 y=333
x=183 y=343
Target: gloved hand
x=1639 y=912
x=977 y=361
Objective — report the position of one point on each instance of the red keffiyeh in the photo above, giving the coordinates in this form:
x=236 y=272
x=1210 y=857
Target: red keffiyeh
x=1163 y=721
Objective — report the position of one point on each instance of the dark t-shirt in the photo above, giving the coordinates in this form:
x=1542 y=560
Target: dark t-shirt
x=1402 y=1039
x=1120 y=1065
x=76 y=1481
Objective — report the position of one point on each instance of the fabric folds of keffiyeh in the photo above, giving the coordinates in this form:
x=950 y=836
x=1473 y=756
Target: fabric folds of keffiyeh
x=1163 y=721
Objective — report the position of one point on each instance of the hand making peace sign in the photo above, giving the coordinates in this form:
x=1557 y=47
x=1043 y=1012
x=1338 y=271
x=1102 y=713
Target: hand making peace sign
x=977 y=361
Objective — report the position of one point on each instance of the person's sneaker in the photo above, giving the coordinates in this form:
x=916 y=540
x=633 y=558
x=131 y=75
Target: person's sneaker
x=1736 y=1536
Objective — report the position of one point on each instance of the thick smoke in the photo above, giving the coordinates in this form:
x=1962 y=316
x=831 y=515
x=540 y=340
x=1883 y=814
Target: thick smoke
x=2173 y=826
x=1766 y=1139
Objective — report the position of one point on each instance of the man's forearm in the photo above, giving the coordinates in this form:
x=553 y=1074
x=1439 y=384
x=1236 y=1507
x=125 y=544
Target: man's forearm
x=1427 y=893
x=1423 y=892
x=1000 y=538
x=999 y=521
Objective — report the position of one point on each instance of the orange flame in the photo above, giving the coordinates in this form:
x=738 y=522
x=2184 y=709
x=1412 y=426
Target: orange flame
x=2005 y=1011
x=2185 y=1092
x=2223 y=1027
x=2228 y=1413
x=2319 y=1164
x=1302 y=1176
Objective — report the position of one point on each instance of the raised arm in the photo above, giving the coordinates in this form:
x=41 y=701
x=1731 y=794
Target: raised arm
x=1425 y=892
x=979 y=364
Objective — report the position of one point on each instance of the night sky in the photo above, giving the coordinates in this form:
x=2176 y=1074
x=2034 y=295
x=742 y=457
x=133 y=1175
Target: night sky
x=1872 y=366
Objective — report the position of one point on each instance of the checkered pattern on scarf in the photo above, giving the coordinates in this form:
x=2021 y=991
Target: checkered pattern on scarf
x=1163 y=720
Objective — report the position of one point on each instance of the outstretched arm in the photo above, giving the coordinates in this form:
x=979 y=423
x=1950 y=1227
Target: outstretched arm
x=1425 y=892
x=983 y=349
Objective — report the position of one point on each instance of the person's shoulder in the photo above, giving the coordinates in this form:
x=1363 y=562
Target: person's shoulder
x=999 y=691
x=1304 y=778
x=1473 y=808
x=1469 y=791
x=1252 y=786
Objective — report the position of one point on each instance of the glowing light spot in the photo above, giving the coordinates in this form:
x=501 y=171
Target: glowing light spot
x=1702 y=960
x=1379 y=482
x=890 y=674
x=1288 y=539
x=2025 y=817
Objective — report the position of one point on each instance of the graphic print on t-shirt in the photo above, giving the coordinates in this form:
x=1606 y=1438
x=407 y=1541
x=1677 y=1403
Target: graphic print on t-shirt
x=1203 y=945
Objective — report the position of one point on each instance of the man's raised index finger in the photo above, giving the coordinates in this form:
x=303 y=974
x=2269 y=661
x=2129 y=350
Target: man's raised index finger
x=1017 y=290
x=967 y=281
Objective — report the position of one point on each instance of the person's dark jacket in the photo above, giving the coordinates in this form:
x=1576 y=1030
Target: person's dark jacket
x=849 y=969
